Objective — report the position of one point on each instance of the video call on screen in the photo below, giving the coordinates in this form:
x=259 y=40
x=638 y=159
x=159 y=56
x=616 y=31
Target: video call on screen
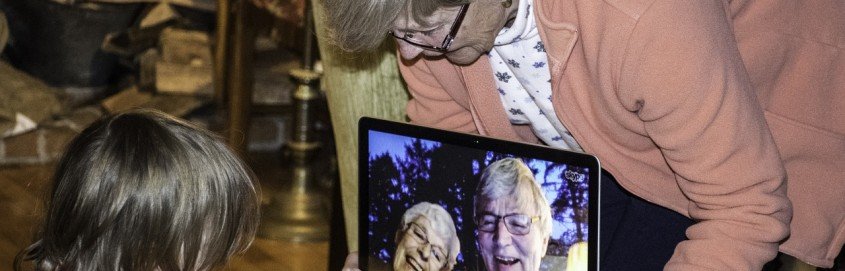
x=405 y=171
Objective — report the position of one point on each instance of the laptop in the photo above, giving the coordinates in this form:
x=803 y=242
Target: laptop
x=422 y=206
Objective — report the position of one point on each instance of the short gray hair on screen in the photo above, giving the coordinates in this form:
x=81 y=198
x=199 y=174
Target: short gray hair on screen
x=362 y=25
x=510 y=176
x=440 y=220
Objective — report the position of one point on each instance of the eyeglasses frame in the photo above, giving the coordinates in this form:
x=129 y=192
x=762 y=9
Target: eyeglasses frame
x=502 y=218
x=444 y=47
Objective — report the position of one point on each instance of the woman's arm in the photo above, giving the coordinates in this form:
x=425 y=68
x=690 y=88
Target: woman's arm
x=684 y=74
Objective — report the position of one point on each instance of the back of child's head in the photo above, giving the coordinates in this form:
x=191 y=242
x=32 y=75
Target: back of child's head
x=145 y=191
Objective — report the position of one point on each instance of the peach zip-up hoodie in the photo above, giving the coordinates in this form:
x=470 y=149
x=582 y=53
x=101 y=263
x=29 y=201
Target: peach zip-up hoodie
x=701 y=106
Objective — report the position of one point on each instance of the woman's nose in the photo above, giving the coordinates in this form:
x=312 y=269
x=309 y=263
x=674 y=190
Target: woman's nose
x=408 y=51
x=425 y=251
x=502 y=236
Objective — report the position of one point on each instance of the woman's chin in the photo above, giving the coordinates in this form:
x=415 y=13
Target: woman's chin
x=464 y=56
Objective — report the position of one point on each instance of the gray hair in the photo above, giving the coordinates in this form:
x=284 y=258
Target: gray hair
x=362 y=25
x=142 y=190
x=440 y=220
x=510 y=176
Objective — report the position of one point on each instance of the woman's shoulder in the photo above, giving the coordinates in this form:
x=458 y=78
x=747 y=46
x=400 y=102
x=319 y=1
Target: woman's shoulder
x=634 y=9
x=631 y=8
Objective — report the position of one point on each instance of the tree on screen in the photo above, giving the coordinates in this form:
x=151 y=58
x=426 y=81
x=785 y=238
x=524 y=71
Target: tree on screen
x=384 y=184
x=572 y=201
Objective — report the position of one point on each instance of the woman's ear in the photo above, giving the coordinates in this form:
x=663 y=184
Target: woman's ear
x=545 y=245
x=455 y=248
x=398 y=237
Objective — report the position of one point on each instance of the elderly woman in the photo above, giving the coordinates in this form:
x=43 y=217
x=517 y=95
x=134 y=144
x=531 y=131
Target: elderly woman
x=426 y=240
x=670 y=95
x=512 y=217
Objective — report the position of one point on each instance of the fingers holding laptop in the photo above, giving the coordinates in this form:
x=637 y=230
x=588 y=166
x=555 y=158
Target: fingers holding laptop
x=351 y=263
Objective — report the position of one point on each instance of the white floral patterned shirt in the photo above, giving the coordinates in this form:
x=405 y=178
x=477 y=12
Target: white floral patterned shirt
x=523 y=81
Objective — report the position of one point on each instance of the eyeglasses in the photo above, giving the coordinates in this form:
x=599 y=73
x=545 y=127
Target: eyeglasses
x=420 y=235
x=517 y=224
x=444 y=47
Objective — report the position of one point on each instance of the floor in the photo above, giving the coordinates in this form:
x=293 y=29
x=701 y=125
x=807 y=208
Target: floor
x=24 y=188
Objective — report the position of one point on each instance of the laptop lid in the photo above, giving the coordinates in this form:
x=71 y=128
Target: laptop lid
x=424 y=204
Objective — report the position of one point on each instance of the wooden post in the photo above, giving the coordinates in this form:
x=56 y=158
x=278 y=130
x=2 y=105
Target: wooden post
x=221 y=48
x=240 y=75
x=356 y=85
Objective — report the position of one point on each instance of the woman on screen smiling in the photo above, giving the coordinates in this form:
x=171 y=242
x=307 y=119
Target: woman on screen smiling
x=512 y=216
x=426 y=240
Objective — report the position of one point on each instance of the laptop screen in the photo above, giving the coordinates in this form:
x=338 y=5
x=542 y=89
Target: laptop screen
x=439 y=200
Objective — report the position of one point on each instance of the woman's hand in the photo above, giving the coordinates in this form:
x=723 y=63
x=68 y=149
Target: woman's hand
x=351 y=263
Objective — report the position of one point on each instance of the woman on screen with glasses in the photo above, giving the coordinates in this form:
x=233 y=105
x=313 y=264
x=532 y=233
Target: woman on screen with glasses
x=513 y=218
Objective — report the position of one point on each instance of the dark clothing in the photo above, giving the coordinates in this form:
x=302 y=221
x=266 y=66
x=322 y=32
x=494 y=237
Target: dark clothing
x=635 y=234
